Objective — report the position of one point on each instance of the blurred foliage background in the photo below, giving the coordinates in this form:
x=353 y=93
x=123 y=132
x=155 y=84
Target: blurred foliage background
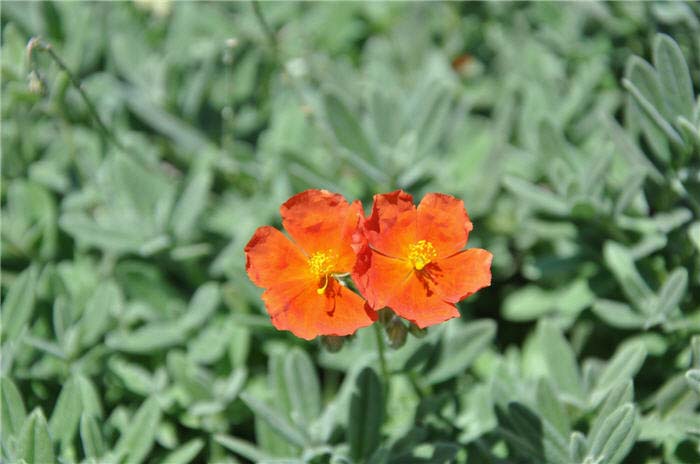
x=130 y=332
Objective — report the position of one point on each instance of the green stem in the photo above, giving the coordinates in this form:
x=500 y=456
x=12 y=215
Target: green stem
x=380 y=352
x=35 y=43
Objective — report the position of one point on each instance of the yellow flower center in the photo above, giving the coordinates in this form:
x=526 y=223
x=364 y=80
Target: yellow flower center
x=421 y=253
x=321 y=264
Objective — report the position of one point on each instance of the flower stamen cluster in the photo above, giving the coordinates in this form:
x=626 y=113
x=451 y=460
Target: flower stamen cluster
x=322 y=265
x=420 y=254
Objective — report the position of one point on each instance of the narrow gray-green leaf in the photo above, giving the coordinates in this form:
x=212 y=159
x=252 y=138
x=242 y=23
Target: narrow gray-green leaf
x=241 y=447
x=147 y=339
x=536 y=196
x=103 y=305
x=347 y=128
x=34 y=441
x=693 y=379
x=621 y=367
x=672 y=291
x=366 y=415
x=186 y=453
x=653 y=113
x=674 y=75
x=560 y=359
x=631 y=151
x=302 y=386
x=18 y=306
x=577 y=447
x=203 y=304
x=616 y=436
x=192 y=202
x=91 y=437
x=12 y=410
x=550 y=408
x=66 y=414
x=275 y=420
x=619 y=260
x=460 y=346
x=621 y=394
x=137 y=440
x=618 y=314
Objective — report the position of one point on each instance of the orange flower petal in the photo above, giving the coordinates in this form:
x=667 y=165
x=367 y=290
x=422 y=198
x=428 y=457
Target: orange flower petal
x=425 y=297
x=462 y=274
x=319 y=220
x=385 y=281
x=301 y=310
x=419 y=301
x=378 y=277
x=443 y=221
x=272 y=258
x=391 y=228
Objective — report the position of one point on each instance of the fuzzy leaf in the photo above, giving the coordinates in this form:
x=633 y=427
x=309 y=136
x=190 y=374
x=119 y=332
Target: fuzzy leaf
x=34 y=441
x=18 y=306
x=616 y=435
x=366 y=415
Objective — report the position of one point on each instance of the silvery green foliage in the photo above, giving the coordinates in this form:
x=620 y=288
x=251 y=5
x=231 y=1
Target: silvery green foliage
x=130 y=332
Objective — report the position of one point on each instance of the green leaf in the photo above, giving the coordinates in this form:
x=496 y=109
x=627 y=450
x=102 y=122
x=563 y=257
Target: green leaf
x=242 y=448
x=275 y=420
x=302 y=386
x=694 y=234
x=460 y=345
x=618 y=314
x=66 y=414
x=653 y=113
x=137 y=440
x=105 y=303
x=134 y=376
x=693 y=379
x=616 y=435
x=151 y=337
x=192 y=202
x=200 y=309
x=12 y=410
x=560 y=360
x=674 y=75
x=91 y=437
x=18 y=306
x=538 y=197
x=621 y=367
x=550 y=408
x=346 y=127
x=577 y=447
x=185 y=453
x=672 y=292
x=537 y=439
x=634 y=155
x=34 y=441
x=366 y=415
x=619 y=260
x=618 y=396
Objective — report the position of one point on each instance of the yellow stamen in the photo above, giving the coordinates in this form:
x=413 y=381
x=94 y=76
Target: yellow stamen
x=420 y=254
x=321 y=264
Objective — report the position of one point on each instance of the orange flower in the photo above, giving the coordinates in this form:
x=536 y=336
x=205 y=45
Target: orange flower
x=302 y=290
x=412 y=259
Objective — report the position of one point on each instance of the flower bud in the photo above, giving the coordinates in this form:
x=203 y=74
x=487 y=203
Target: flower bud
x=417 y=331
x=332 y=343
x=396 y=332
